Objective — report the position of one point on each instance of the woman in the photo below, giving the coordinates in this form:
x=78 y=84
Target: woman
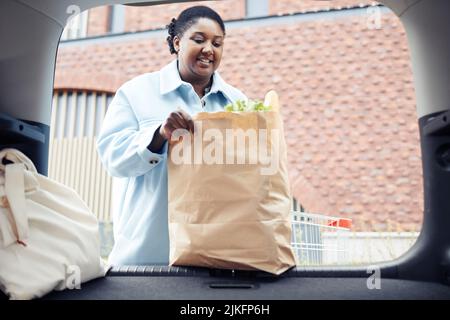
x=140 y=120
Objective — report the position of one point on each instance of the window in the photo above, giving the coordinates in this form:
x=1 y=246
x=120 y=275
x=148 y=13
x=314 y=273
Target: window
x=342 y=70
x=76 y=27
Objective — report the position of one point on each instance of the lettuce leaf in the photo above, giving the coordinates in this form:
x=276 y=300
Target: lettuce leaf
x=247 y=106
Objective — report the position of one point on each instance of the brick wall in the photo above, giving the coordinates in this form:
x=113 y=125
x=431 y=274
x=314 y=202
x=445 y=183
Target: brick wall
x=98 y=21
x=293 y=6
x=152 y=17
x=143 y=18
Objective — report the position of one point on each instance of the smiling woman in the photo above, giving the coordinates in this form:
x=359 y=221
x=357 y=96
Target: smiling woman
x=198 y=47
x=132 y=143
x=199 y=53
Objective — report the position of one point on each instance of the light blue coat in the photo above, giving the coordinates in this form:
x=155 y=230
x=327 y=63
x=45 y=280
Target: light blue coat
x=137 y=110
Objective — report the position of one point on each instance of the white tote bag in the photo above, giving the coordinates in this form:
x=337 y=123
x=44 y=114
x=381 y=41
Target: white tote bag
x=49 y=239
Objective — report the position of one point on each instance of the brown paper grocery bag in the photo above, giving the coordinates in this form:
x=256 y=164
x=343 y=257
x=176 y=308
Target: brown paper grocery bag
x=229 y=203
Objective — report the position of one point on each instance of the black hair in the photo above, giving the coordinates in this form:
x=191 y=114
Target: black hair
x=187 y=19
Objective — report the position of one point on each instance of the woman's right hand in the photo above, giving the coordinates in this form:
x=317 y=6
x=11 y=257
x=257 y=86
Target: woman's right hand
x=178 y=119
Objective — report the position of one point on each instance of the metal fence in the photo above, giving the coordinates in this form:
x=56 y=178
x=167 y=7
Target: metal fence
x=309 y=232
x=73 y=159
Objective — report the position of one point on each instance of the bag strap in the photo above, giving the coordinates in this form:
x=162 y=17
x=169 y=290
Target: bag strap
x=15 y=221
x=8 y=235
x=16 y=203
x=15 y=156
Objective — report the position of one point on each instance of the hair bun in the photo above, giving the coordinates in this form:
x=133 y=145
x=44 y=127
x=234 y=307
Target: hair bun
x=171 y=27
x=172 y=34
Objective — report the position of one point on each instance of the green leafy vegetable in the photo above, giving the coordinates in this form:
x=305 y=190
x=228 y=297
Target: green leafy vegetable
x=247 y=106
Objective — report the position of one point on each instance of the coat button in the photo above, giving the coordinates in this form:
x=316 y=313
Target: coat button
x=153 y=161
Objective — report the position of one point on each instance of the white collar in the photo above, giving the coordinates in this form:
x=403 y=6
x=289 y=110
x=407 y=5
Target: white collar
x=170 y=80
